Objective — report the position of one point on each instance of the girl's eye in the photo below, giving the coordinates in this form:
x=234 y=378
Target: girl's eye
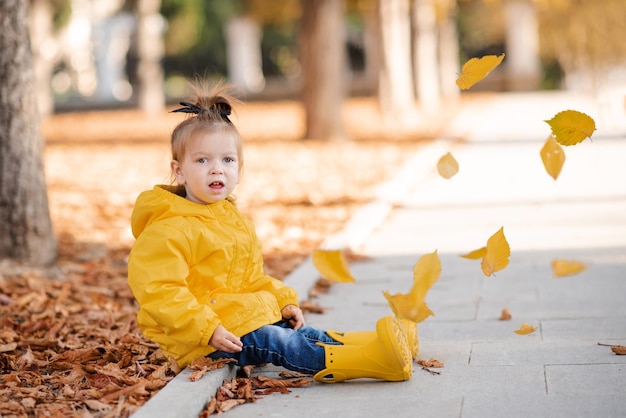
x=201 y=160
x=228 y=160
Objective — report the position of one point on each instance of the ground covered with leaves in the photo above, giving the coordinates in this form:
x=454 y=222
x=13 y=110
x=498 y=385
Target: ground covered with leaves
x=69 y=344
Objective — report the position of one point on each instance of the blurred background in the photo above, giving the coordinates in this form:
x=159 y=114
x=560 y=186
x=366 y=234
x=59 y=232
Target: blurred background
x=338 y=95
x=139 y=53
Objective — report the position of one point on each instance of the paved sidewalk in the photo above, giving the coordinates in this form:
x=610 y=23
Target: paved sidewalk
x=558 y=371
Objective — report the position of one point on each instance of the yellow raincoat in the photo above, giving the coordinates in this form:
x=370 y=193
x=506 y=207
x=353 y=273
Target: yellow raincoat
x=194 y=267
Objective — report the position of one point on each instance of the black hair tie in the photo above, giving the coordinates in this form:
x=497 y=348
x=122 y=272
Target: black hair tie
x=187 y=108
x=224 y=110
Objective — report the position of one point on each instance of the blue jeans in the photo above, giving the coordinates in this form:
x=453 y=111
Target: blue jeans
x=281 y=345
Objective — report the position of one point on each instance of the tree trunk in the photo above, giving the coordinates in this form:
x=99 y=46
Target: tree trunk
x=322 y=48
x=243 y=54
x=426 y=59
x=522 y=45
x=25 y=227
x=448 y=51
x=396 y=92
x=373 y=53
x=150 y=49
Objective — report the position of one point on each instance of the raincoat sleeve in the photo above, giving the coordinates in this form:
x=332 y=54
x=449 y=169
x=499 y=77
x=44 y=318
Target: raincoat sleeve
x=157 y=272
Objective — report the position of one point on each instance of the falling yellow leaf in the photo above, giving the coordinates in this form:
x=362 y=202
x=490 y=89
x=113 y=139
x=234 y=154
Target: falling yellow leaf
x=332 y=265
x=561 y=268
x=447 y=166
x=412 y=305
x=476 y=254
x=553 y=157
x=476 y=69
x=525 y=329
x=571 y=127
x=497 y=254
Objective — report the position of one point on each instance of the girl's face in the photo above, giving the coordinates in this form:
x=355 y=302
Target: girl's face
x=209 y=170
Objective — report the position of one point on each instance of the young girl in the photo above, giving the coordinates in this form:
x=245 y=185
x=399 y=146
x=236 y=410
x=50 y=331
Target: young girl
x=196 y=270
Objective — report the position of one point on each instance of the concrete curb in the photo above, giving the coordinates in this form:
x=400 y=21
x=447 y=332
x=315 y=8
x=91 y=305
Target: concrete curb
x=182 y=398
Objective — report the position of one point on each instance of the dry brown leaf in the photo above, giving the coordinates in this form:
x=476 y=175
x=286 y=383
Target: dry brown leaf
x=268 y=382
x=138 y=388
x=432 y=362
x=505 y=315
x=246 y=371
x=620 y=350
x=96 y=405
x=209 y=363
x=4 y=348
x=210 y=408
x=292 y=375
x=229 y=404
x=322 y=285
x=197 y=375
x=308 y=306
x=244 y=390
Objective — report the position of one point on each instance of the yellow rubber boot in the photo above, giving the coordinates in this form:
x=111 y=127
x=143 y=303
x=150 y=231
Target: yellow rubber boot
x=386 y=357
x=362 y=337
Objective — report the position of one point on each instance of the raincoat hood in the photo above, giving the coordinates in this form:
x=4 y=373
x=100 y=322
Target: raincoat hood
x=163 y=202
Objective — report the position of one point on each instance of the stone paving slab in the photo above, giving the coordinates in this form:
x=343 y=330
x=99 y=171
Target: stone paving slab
x=424 y=395
x=603 y=329
x=566 y=406
x=586 y=379
x=536 y=352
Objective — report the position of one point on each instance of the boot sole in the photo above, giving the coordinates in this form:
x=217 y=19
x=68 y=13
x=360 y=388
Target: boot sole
x=396 y=333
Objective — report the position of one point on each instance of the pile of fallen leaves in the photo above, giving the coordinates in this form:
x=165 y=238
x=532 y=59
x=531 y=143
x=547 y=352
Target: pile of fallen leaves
x=69 y=343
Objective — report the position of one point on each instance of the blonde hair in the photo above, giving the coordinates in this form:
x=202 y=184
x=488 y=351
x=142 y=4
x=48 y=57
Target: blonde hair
x=208 y=113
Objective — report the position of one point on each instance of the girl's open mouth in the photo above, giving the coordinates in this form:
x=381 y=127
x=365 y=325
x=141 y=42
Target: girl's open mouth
x=216 y=185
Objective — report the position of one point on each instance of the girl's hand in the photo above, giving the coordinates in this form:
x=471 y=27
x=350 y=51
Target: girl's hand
x=224 y=340
x=294 y=315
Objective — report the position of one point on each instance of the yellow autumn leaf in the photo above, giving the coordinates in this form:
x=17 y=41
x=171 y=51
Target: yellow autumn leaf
x=553 y=157
x=332 y=265
x=476 y=69
x=525 y=329
x=476 y=254
x=497 y=254
x=561 y=267
x=405 y=306
x=447 y=166
x=412 y=305
x=571 y=127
